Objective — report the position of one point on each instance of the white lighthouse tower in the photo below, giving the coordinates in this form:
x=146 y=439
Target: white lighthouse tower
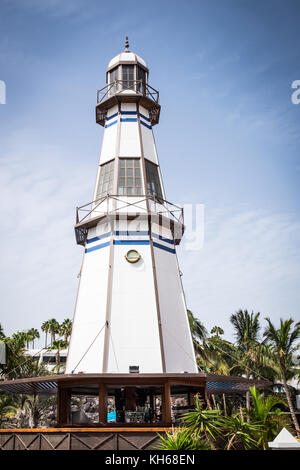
x=130 y=313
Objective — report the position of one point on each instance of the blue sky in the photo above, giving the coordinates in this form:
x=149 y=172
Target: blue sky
x=228 y=138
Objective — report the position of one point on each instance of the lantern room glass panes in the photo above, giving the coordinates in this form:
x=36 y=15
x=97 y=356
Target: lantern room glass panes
x=113 y=77
x=105 y=184
x=128 y=76
x=130 y=178
x=153 y=181
x=141 y=80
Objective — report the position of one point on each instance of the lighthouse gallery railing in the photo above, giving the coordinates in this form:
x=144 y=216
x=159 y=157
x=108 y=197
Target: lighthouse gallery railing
x=118 y=86
x=89 y=214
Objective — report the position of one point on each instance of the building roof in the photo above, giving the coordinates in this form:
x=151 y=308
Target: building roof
x=214 y=383
x=124 y=57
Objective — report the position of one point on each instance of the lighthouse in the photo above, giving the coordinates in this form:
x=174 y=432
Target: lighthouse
x=130 y=313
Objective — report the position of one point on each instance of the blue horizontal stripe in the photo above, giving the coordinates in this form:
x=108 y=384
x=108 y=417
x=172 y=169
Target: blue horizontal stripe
x=111 y=124
x=131 y=232
x=128 y=112
x=162 y=247
x=144 y=124
x=99 y=237
x=163 y=239
x=131 y=242
x=144 y=117
x=97 y=247
x=128 y=119
x=112 y=116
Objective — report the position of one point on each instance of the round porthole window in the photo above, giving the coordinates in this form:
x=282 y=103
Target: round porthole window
x=132 y=256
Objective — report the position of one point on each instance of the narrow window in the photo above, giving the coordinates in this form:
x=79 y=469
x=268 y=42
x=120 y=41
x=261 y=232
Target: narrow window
x=113 y=77
x=153 y=181
x=130 y=179
x=128 y=76
x=141 y=78
x=105 y=184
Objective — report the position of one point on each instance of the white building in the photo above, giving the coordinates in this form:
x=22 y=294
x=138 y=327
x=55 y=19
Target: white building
x=130 y=310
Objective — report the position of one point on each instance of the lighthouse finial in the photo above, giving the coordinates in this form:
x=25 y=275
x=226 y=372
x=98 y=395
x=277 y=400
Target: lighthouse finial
x=126 y=45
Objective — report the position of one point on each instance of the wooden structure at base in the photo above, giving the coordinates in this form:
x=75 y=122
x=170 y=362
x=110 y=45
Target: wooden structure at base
x=80 y=439
x=105 y=435
x=100 y=385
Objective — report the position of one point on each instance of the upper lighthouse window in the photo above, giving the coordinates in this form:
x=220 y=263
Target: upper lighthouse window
x=128 y=76
x=153 y=181
x=105 y=184
x=113 y=77
x=141 y=78
x=130 y=180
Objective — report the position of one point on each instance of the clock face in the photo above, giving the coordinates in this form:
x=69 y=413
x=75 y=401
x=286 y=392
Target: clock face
x=132 y=256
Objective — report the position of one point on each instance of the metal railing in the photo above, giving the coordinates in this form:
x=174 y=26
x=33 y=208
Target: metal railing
x=118 y=86
x=102 y=206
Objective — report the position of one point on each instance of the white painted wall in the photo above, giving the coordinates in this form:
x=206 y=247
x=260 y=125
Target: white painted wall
x=134 y=326
x=90 y=312
x=148 y=139
x=178 y=346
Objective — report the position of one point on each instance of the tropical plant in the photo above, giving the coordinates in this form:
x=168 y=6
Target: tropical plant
x=198 y=330
x=32 y=334
x=33 y=407
x=215 y=355
x=53 y=329
x=246 y=328
x=65 y=329
x=18 y=365
x=203 y=422
x=217 y=330
x=182 y=439
x=239 y=432
x=265 y=412
x=7 y=406
x=282 y=342
x=57 y=346
x=2 y=335
x=46 y=329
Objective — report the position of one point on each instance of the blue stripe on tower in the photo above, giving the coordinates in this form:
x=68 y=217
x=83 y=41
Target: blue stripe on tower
x=112 y=116
x=131 y=232
x=163 y=247
x=111 y=123
x=99 y=237
x=144 y=124
x=97 y=247
x=131 y=242
x=144 y=117
x=129 y=112
x=128 y=119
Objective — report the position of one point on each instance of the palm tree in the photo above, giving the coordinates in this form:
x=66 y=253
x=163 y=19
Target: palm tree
x=34 y=406
x=198 y=330
x=261 y=412
x=246 y=332
x=53 y=329
x=66 y=329
x=33 y=334
x=45 y=328
x=57 y=346
x=217 y=330
x=282 y=341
